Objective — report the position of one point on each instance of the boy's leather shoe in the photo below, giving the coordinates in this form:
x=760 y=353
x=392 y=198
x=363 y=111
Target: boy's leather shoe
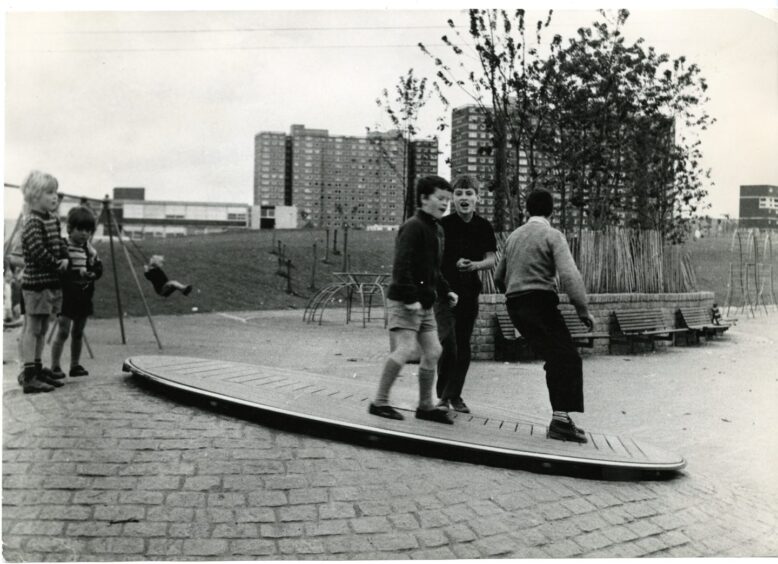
x=443 y=404
x=566 y=431
x=45 y=377
x=459 y=405
x=31 y=384
x=78 y=370
x=56 y=372
x=434 y=414
x=386 y=411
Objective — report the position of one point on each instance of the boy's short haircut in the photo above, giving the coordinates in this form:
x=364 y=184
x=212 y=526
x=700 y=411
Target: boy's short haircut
x=81 y=217
x=540 y=202
x=465 y=182
x=36 y=184
x=426 y=186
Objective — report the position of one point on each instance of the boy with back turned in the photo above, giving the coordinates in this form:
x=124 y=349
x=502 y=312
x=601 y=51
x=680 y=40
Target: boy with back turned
x=534 y=254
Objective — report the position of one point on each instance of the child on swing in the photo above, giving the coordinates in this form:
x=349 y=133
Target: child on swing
x=162 y=284
x=78 y=287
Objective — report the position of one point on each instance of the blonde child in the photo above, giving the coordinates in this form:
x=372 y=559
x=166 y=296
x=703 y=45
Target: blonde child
x=45 y=257
x=78 y=288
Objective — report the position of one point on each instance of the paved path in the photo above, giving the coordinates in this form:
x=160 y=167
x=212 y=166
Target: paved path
x=105 y=469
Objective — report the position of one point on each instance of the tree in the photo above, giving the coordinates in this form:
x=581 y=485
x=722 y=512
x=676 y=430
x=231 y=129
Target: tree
x=625 y=121
x=411 y=96
x=505 y=76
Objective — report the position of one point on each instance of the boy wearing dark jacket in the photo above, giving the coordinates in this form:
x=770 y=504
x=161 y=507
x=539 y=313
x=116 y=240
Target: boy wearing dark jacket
x=416 y=284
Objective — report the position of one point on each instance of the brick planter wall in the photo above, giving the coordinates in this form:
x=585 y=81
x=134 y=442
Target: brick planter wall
x=601 y=306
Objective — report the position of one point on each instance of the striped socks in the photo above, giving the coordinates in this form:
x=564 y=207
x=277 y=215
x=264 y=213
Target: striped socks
x=561 y=416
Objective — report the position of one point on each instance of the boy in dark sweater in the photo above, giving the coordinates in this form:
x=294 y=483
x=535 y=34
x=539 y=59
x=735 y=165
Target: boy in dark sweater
x=534 y=254
x=416 y=283
x=45 y=258
x=470 y=247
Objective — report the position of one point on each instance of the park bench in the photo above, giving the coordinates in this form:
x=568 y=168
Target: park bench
x=698 y=321
x=581 y=334
x=643 y=325
x=511 y=346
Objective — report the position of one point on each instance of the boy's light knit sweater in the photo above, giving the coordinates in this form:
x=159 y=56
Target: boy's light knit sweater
x=533 y=255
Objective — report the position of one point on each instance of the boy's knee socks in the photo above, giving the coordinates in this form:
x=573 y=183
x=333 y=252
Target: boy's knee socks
x=388 y=376
x=426 y=383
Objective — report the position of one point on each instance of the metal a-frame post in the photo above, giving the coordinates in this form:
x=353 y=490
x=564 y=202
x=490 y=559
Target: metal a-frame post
x=112 y=224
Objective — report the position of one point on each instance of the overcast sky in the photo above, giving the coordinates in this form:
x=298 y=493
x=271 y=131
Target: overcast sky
x=172 y=100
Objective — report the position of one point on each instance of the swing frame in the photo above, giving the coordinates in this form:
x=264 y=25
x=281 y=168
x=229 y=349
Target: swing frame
x=109 y=223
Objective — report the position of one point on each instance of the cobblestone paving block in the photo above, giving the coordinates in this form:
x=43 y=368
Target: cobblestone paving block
x=590 y=522
x=431 y=538
x=116 y=545
x=489 y=526
x=495 y=546
x=297 y=513
x=36 y=527
x=392 y=542
x=119 y=513
x=218 y=499
x=558 y=530
x=564 y=548
x=267 y=498
x=405 y=521
x=373 y=508
x=235 y=531
x=281 y=531
x=644 y=528
x=336 y=510
x=189 y=530
x=592 y=541
x=59 y=545
x=254 y=547
x=166 y=513
x=553 y=511
x=441 y=553
x=308 y=495
x=347 y=544
x=204 y=547
x=619 y=534
x=513 y=501
x=254 y=515
x=141 y=497
x=326 y=528
x=430 y=518
x=214 y=515
x=370 y=524
x=650 y=545
x=145 y=529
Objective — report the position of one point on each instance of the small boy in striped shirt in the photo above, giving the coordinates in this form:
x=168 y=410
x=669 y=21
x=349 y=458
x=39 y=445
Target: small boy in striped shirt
x=45 y=257
x=78 y=288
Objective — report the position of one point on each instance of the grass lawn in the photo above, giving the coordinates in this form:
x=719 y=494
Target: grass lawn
x=236 y=271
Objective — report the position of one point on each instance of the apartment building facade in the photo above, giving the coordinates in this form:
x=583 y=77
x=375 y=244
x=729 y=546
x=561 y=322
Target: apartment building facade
x=337 y=180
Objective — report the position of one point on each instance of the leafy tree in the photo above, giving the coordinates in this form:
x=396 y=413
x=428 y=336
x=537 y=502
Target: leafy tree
x=618 y=112
x=502 y=86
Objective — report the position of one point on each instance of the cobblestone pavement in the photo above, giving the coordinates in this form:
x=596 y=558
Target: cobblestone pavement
x=107 y=469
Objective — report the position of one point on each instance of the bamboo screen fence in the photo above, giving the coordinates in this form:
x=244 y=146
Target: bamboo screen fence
x=621 y=260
